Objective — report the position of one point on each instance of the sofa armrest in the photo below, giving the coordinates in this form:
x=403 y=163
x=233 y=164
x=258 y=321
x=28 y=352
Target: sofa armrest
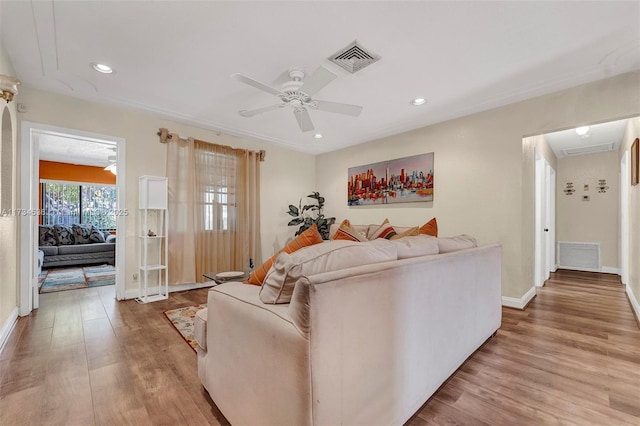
x=258 y=368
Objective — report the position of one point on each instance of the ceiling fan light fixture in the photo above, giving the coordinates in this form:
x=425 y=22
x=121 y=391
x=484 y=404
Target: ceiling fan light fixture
x=102 y=68
x=582 y=130
x=418 y=101
x=318 y=136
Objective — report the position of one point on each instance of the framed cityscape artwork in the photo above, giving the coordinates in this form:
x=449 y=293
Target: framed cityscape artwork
x=403 y=180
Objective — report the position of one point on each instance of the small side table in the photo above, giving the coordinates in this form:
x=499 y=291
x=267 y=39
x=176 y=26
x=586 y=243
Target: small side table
x=213 y=276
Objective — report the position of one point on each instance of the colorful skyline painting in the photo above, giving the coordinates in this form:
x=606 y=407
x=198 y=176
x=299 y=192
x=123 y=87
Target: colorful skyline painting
x=403 y=180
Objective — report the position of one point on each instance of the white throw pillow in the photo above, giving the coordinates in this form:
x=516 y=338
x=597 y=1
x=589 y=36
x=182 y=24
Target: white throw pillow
x=459 y=242
x=329 y=256
x=418 y=245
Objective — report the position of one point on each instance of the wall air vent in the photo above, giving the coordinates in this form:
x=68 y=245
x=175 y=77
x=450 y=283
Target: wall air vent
x=588 y=149
x=579 y=256
x=354 y=57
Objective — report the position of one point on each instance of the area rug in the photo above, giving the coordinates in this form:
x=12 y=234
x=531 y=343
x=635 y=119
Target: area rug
x=63 y=279
x=100 y=275
x=76 y=277
x=182 y=320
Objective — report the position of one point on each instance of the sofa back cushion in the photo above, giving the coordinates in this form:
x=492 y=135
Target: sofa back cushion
x=416 y=245
x=329 y=256
x=47 y=236
x=64 y=235
x=81 y=233
x=459 y=242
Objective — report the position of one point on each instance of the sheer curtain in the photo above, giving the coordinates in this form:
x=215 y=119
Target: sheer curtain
x=214 y=203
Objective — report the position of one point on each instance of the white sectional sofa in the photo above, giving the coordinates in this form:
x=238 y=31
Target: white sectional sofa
x=365 y=345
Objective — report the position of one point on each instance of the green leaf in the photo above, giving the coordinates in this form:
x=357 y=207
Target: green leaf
x=314 y=195
x=296 y=221
x=293 y=210
x=309 y=207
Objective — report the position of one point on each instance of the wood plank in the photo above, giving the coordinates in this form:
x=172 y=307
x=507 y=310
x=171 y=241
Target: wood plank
x=572 y=356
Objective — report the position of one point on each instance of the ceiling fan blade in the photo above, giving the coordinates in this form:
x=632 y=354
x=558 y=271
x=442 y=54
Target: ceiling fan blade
x=257 y=111
x=304 y=121
x=316 y=81
x=337 y=107
x=255 y=83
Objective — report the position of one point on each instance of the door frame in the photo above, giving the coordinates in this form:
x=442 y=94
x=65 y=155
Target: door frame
x=544 y=251
x=624 y=218
x=29 y=165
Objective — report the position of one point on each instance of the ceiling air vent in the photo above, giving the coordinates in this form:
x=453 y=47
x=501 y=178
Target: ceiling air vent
x=588 y=149
x=354 y=57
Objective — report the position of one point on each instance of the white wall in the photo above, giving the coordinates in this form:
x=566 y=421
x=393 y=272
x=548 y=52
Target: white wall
x=596 y=220
x=285 y=175
x=8 y=224
x=483 y=173
x=632 y=132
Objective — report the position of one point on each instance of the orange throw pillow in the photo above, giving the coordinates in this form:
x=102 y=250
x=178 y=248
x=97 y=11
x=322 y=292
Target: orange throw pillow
x=309 y=237
x=347 y=232
x=430 y=228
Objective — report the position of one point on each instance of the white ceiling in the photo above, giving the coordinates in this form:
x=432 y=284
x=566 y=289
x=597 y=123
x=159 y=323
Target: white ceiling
x=66 y=149
x=599 y=138
x=175 y=58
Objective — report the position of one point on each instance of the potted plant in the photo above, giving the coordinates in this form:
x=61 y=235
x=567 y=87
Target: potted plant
x=307 y=215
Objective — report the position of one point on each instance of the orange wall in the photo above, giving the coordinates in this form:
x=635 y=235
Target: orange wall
x=75 y=173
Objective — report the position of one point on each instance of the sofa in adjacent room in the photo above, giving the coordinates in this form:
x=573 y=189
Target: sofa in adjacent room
x=77 y=244
x=345 y=332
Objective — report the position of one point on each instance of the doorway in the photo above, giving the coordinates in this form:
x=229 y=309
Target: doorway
x=32 y=135
x=545 y=243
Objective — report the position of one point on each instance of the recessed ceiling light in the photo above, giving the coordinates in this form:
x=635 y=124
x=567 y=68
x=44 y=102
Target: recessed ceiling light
x=418 y=101
x=104 y=69
x=317 y=136
x=582 y=130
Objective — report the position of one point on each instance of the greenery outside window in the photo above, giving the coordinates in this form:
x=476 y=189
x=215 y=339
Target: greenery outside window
x=66 y=203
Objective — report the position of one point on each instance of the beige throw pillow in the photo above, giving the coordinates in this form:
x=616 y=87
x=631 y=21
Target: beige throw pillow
x=328 y=256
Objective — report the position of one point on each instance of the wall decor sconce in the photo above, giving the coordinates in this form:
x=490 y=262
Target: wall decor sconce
x=585 y=198
x=8 y=87
x=586 y=186
x=569 y=190
x=602 y=185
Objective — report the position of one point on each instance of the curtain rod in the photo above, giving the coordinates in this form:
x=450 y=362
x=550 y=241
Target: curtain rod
x=166 y=137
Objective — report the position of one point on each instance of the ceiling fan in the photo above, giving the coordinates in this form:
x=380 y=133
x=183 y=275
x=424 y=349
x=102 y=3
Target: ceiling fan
x=297 y=94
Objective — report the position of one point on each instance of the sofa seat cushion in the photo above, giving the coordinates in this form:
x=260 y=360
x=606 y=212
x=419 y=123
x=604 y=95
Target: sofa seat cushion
x=49 y=250
x=86 y=248
x=200 y=328
x=330 y=256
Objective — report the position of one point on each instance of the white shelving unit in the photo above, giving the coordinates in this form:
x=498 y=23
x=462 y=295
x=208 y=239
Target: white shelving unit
x=153 y=250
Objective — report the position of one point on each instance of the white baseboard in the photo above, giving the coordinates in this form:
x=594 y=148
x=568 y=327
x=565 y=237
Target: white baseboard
x=133 y=293
x=603 y=269
x=610 y=270
x=634 y=302
x=513 y=302
x=7 y=327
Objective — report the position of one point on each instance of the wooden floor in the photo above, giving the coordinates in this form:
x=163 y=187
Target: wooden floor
x=571 y=357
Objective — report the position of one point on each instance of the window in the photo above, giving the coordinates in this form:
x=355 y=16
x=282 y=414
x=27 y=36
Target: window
x=217 y=191
x=68 y=203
